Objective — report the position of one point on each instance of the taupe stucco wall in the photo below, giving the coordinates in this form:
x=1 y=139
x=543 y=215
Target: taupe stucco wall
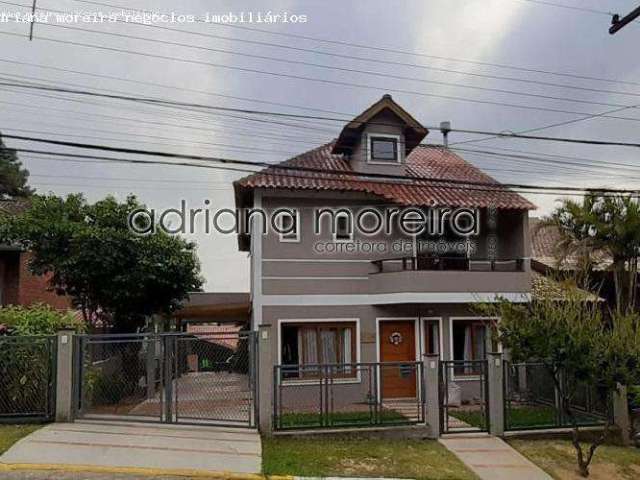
x=367 y=316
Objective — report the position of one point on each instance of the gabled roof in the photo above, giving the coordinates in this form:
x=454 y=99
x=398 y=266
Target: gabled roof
x=423 y=164
x=414 y=132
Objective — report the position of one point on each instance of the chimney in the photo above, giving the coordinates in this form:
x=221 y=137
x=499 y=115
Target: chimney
x=445 y=128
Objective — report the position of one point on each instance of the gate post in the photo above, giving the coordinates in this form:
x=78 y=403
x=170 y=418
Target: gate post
x=431 y=368
x=621 y=414
x=495 y=377
x=265 y=379
x=64 y=375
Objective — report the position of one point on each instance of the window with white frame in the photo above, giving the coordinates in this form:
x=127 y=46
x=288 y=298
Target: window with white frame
x=289 y=226
x=469 y=338
x=344 y=230
x=306 y=345
x=384 y=149
x=432 y=337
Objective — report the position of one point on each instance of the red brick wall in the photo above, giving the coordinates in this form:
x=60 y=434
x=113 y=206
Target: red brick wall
x=20 y=287
x=10 y=269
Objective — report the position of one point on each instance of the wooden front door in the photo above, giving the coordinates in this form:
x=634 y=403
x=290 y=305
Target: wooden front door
x=398 y=344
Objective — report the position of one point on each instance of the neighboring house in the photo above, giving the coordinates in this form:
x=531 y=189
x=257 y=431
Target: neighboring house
x=357 y=306
x=546 y=261
x=18 y=286
x=205 y=311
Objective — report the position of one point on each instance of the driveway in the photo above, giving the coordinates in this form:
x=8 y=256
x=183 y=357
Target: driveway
x=163 y=447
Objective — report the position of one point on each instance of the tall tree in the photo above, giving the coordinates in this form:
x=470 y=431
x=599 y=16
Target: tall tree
x=109 y=271
x=13 y=178
x=602 y=225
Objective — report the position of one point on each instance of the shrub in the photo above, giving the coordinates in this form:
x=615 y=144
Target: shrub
x=38 y=319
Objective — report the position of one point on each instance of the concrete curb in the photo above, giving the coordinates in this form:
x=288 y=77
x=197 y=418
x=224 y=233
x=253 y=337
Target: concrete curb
x=16 y=467
x=8 y=467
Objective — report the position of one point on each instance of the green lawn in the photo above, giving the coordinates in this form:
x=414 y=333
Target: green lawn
x=351 y=456
x=10 y=434
x=528 y=416
x=338 y=419
x=558 y=458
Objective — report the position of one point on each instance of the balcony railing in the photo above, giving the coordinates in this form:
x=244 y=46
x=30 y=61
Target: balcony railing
x=434 y=263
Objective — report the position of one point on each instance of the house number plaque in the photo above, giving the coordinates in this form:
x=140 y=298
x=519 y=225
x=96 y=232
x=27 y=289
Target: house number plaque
x=396 y=338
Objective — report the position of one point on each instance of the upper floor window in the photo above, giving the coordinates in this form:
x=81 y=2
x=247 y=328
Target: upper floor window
x=344 y=232
x=384 y=149
x=289 y=226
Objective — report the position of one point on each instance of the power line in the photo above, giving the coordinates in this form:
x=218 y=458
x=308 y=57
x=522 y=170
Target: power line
x=377 y=74
x=548 y=126
x=320 y=80
x=419 y=182
x=370 y=47
x=528 y=155
x=154 y=101
x=537 y=129
x=163 y=85
x=57 y=156
x=569 y=7
x=320 y=52
x=179 y=113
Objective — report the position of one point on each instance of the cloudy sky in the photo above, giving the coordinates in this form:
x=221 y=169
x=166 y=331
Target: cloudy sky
x=441 y=48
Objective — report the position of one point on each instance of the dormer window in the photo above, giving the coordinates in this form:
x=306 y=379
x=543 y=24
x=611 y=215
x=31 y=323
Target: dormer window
x=384 y=149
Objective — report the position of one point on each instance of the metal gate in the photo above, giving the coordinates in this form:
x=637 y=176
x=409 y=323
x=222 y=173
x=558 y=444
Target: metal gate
x=27 y=378
x=464 y=393
x=172 y=378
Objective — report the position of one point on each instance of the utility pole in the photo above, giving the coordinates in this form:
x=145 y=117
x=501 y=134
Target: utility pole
x=617 y=23
x=33 y=19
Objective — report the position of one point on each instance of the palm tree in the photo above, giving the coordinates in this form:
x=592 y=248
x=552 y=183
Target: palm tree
x=597 y=228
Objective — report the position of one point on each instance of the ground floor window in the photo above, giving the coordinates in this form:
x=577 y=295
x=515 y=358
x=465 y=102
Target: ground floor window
x=469 y=343
x=306 y=345
x=431 y=337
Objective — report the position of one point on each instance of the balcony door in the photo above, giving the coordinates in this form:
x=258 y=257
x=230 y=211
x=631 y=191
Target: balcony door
x=398 y=344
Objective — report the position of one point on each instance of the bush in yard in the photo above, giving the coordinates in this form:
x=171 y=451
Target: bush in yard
x=577 y=346
x=38 y=319
x=25 y=362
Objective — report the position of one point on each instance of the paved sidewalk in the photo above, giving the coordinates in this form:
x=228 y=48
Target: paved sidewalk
x=492 y=458
x=162 y=447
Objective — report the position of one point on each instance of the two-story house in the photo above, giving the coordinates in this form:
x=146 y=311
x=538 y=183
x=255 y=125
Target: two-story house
x=345 y=288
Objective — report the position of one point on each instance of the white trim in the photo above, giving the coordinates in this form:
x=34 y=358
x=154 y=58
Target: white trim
x=389 y=136
x=393 y=298
x=256 y=255
x=281 y=321
x=467 y=318
x=315 y=278
x=281 y=236
x=440 y=335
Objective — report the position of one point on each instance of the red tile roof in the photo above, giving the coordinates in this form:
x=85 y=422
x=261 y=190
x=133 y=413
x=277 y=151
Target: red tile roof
x=423 y=164
x=545 y=241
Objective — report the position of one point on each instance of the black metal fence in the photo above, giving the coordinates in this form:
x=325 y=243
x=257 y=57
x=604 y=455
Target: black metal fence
x=348 y=395
x=27 y=378
x=464 y=396
x=534 y=401
x=171 y=378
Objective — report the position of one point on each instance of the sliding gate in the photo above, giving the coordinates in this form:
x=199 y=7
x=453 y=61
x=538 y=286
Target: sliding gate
x=171 y=378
